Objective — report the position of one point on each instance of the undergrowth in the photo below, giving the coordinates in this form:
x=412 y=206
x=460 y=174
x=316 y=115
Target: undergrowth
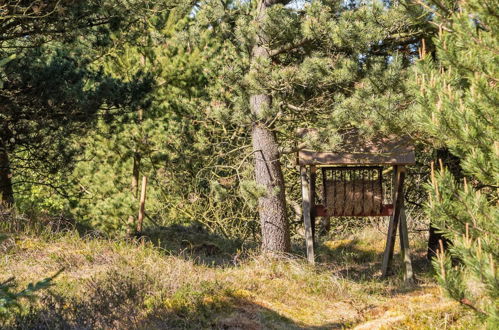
x=164 y=282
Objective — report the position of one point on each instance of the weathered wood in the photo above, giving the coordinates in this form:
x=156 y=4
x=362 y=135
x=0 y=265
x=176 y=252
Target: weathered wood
x=404 y=247
x=313 y=179
x=142 y=205
x=353 y=198
x=307 y=211
x=401 y=157
x=398 y=197
x=386 y=211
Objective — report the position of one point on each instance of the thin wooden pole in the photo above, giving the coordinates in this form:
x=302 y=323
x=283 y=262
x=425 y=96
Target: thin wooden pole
x=398 y=198
x=142 y=205
x=307 y=212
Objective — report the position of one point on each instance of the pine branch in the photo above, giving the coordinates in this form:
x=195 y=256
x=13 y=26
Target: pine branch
x=287 y=47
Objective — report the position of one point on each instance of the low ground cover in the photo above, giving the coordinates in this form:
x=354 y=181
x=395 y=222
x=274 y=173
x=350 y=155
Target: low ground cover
x=184 y=277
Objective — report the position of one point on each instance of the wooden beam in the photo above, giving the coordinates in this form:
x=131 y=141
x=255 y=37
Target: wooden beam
x=404 y=248
x=402 y=157
x=398 y=199
x=307 y=212
x=320 y=211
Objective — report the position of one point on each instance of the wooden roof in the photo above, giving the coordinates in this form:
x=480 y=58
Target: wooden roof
x=354 y=150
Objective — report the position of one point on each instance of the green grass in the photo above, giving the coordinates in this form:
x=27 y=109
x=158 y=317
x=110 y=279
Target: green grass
x=209 y=282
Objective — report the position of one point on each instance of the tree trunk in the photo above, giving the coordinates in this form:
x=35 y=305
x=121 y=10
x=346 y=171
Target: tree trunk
x=433 y=242
x=6 y=190
x=268 y=172
x=134 y=187
x=137 y=157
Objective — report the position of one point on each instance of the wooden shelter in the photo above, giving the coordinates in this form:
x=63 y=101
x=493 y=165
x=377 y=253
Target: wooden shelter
x=353 y=185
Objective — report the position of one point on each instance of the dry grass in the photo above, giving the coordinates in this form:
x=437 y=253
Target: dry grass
x=118 y=284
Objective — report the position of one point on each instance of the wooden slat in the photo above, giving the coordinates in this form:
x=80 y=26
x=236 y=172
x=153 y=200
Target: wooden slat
x=321 y=211
x=307 y=212
x=401 y=157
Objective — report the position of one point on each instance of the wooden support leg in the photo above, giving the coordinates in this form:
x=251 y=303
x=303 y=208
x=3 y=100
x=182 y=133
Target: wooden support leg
x=313 y=177
x=404 y=248
x=398 y=198
x=307 y=213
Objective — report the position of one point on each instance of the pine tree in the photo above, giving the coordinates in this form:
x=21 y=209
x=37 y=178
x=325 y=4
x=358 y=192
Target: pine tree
x=305 y=64
x=457 y=103
x=50 y=89
x=157 y=141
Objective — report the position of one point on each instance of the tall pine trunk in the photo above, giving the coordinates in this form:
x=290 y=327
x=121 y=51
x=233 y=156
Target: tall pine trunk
x=6 y=190
x=268 y=172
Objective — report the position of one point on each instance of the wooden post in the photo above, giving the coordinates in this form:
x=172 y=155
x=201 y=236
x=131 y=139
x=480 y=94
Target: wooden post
x=307 y=213
x=398 y=199
x=404 y=247
x=142 y=205
x=313 y=177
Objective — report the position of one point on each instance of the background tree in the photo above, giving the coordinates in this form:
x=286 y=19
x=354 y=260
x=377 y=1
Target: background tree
x=457 y=104
x=50 y=90
x=158 y=141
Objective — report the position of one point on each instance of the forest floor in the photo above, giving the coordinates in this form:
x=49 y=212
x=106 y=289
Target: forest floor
x=183 y=277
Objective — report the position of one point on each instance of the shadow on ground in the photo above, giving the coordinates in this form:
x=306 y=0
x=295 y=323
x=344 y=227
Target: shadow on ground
x=199 y=311
x=353 y=259
x=359 y=261
x=196 y=243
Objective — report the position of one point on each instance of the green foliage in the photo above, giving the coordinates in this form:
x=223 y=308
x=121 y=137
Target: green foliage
x=52 y=91
x=329 y=69
x=457 y=107
x=470 y=221
x=193 y=138
x=153 y=141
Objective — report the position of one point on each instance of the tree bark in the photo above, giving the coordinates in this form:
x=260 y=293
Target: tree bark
x=6 y=189
x=268 y=172
x=433 y=243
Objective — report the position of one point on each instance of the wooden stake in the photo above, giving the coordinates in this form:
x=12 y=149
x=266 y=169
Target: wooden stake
x=142 y=205
x=307 y=213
